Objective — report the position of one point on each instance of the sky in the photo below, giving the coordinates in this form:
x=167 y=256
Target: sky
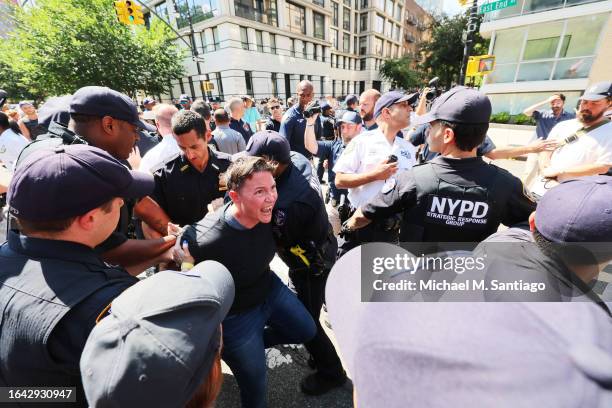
x=452 y=7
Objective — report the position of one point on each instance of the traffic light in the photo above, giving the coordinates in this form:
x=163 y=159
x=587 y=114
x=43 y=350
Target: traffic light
x=462 y=2
x=134 y=12
x=122 y=12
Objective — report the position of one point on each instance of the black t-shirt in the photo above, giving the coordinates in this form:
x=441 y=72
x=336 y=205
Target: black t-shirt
x=272 y=124
x=246 y=253
x=466 y=173
x=184 y=193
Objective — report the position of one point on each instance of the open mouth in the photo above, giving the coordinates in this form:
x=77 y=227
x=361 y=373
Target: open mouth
x=267 y=210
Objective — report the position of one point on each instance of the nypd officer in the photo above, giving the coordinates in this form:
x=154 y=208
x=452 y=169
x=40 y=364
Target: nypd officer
x=371 y=161
x=107 y=119
x=456 y=197
x=191 y=180
x=53 y=284
x=305 y=242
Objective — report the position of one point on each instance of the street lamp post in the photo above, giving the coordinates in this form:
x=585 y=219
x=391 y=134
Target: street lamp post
x=469 y=39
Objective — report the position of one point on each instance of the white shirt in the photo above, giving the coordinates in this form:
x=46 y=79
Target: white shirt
x=11 y=145
x=365 y=152
x=593 y=148
x=159 y=154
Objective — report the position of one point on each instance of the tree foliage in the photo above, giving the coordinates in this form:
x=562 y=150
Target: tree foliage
x=58 y=46
x=399 y=72
x=443 y=54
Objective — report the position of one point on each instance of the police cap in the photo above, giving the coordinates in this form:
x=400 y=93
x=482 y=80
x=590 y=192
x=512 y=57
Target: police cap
x=271 y=144
x=460 y=105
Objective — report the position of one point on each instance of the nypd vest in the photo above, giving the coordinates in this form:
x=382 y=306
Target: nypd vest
x=447 y=212
x=35 y=294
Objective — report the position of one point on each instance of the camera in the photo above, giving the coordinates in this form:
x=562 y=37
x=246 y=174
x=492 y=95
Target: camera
x=433 y=89
x=311 y=109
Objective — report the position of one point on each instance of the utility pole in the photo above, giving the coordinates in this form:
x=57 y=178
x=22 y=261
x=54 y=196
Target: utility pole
x=469 y=39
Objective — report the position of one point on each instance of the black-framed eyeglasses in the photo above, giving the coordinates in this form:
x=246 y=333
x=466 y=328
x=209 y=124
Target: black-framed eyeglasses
x=274 y=107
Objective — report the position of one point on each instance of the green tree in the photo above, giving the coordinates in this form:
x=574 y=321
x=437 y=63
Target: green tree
x=58 y=46
x=399 y=72
x=443 y=54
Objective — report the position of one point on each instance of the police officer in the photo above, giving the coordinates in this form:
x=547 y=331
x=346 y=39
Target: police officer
x=187 y=183
x=331 y=150
x=305 y=242
x=293 y=125
x=108 y=119
x=53 y=284
x=370 y=162
x=328 y=122
x=456 y=197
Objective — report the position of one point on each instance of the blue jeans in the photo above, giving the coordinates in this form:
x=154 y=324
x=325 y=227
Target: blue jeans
x=281 y=319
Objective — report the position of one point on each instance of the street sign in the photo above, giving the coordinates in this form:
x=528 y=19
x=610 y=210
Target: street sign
x=496 y=5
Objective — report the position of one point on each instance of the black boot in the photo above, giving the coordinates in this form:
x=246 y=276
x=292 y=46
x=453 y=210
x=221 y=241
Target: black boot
x=315 y=384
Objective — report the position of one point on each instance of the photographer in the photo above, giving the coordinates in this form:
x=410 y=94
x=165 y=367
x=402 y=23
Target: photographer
x=294 y=120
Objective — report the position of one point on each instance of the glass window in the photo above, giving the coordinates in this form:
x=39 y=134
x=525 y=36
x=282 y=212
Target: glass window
x=274 y=80
x=363 y=22
x=502 y=73
x=248 y=79
x=573 y=68
x=259 y=40
x=535 y=71
x=346 y=43
x=347 y=3
x=315 y=54
x=162 y=10
x=295 y=16
x=362 y=64
x=581 y=36
x=304 y=49
x=244 y=38
x=319 y=2
x=197 y=10
x=364 y=4
x=539 y=5
x=355 y=26
x=397 y=33
x=380 y=24
x=319 y=25
x=346 y=19
x=542 y=41
x=292 y=47
x=363 y=45
x=263 y=11
x=335 y=14
x=398 y=12
x=389 y=7
x=508 y=44
x=334 y=37
x=389 y=29
x=378 y=46
x=273 y=43
x=388 y=49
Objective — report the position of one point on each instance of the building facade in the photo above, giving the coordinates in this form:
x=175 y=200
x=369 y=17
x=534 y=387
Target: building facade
x=265 y=47
x=546 y=46
x=417 y=29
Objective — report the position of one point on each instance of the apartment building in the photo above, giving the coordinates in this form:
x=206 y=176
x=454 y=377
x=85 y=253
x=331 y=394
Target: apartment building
x=417 y=23
x=265 y=47
x=545 y=46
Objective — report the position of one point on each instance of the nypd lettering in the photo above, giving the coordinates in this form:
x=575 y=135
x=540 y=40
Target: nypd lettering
x=456 y=212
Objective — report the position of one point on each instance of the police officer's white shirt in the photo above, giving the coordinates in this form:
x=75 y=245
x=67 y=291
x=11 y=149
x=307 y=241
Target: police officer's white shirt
x=364 y=153
x=159 y=154
x=595 y=147
x=11 y=145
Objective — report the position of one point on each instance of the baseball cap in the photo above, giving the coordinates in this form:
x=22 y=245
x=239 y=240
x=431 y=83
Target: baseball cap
x=55 y=109
x=269 y=143
x=158 y=342
x=460 y=105
x=391 y=98
x=102 y=101
x=350 y=99
x=25 y=103
x=350 y=117
x=148 y=101
x=598 y=91
x=71 y=180
x=578 y=210
x=324 y=105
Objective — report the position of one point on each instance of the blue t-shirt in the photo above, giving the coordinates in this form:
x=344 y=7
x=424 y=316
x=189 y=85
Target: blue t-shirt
x=546 y=120
x=293 y=127
x=331 y=150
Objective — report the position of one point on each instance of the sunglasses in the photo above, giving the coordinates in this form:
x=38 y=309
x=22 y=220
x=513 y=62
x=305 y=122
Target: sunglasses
x=274 y=107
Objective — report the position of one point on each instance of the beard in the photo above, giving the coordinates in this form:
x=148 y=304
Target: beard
x=366 y=117
x=586 y=116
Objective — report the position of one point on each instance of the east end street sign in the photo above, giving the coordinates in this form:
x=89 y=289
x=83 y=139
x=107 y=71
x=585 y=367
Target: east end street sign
x=496 y=5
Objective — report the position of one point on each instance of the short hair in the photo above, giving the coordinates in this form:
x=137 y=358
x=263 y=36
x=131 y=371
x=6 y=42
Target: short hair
x=243 y=168
x=55 y=226
x=467 y=136
x=4 y=120
x=272 y=101
x=221 y=116
x=233 y=103
x=202 y=108
x=561 y=96
x=185 y=121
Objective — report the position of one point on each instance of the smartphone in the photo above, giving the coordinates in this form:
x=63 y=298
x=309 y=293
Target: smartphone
x=392 y=159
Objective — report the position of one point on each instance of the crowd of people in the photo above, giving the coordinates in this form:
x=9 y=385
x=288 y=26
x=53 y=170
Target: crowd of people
x=140 y=240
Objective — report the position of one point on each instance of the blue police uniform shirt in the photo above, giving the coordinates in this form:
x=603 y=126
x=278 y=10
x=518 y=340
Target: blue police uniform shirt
x=546 y=120
x=241 y=127
x=293 y=127
x=419 y=137
x=331 y=150
x=374 y=126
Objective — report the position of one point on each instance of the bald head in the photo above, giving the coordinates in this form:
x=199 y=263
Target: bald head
x=367 y=101
x=163 y=118
x=305 y=93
